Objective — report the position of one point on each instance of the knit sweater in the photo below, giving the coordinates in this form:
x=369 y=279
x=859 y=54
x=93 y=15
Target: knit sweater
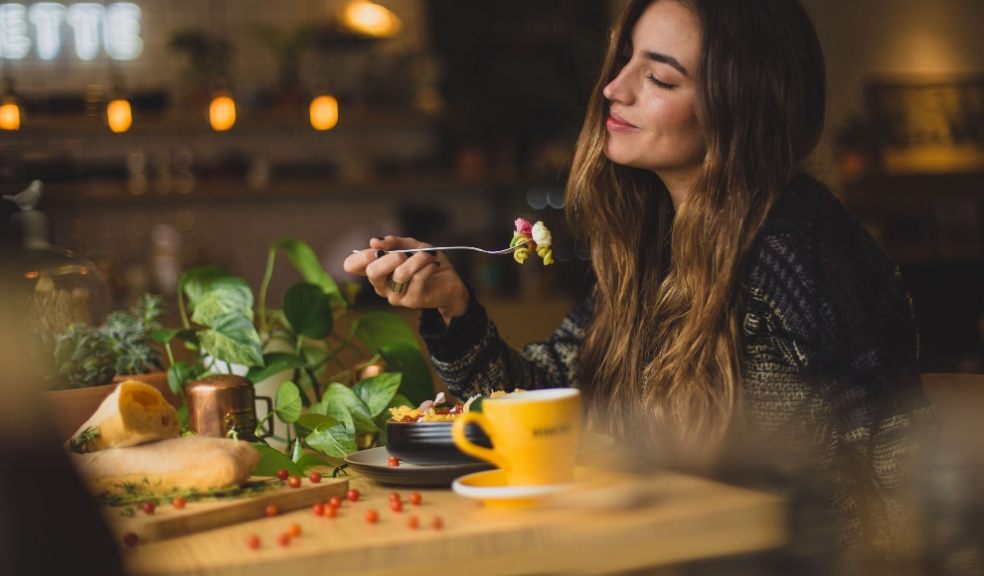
x=830 y=383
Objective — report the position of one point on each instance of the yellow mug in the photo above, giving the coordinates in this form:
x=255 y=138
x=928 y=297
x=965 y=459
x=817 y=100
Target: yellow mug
x=534 y=435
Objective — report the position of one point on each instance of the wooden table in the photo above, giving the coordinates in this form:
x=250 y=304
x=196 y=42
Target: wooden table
x=686 y=518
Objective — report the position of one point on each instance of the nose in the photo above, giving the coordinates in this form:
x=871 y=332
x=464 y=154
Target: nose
x=617 y=90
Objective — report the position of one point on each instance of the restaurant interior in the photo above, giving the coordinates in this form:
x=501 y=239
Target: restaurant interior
x=170 y=134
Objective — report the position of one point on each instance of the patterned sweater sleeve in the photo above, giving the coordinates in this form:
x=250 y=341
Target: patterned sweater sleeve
x=472 y=359
x=839 y=309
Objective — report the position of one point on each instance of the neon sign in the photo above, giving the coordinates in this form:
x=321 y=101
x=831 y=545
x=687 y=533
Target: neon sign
x=114 y=28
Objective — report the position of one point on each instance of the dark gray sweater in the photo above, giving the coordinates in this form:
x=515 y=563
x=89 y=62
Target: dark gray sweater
x=832 y=402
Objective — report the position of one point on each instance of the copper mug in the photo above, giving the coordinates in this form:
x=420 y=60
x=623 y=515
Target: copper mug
x=222 y=405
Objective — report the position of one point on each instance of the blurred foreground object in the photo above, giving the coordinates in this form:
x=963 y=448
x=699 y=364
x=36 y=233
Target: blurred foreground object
x=43 y=505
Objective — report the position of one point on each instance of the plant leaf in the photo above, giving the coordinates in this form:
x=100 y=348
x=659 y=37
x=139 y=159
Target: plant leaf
x=177 y=374
x=273 y=460
x=225 y=295
x=308 y=310
x=335 y=410
x=334 y=441
x=341 y=395
x=233 y=339
x=376 y=392
x=297 y=452
x=274 y=363
x=288 y=403
x=379 y=328
x=306 y=262
x=312 y=421
x=308 y=461
x=417 y=384
x=194 y=282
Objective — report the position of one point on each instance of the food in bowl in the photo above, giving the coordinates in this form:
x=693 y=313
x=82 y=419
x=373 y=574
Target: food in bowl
x=422 y=435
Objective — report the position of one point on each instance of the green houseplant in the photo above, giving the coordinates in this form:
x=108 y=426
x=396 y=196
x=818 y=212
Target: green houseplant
x=327 y=409
x=82 y=364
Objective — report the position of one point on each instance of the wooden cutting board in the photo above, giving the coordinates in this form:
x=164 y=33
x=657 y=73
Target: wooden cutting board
x=169 y=522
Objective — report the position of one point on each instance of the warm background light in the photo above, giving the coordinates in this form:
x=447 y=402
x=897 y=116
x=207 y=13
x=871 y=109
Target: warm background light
x=222 y=113
x=324 y=112
x=119 y=116
x=370 y=19
x=10 y=116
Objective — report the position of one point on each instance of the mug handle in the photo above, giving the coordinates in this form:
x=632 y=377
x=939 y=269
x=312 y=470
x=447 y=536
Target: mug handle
x=469 y=447
x=268 y=430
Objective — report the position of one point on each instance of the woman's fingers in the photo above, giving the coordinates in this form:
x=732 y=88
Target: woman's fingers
x=405 y=271
x=357 y=262
x=379 y=270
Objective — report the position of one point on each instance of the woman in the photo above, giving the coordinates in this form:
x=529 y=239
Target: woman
x=738 y=308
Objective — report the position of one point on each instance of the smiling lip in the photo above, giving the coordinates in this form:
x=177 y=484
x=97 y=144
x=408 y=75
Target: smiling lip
x=616 y=124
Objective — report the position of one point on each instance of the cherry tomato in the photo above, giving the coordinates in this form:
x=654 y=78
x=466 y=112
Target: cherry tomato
x=394 y=496
x=294 y=529
x=353 y=495
x=253 y=542
x=396 y=506
x=331 y=512
x=392 y=461
x=315 y=477
x=271 y=510
x=318 y=509
x=415 y=498
x=282 y=474
x=179 y=503
x=284 y=539
x=335 y=501
x=131 y=539
x=148 y=507
x=372 y=516
x=437 y=523
x=413 y=522
x=294 y=481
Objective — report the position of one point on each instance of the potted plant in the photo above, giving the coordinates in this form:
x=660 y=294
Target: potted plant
x=84 y=363
x=324 y=408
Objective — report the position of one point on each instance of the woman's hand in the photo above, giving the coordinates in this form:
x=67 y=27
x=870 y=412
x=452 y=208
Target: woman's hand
x=419 y=280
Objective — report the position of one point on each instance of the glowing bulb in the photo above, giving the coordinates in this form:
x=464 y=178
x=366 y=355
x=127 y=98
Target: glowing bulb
x=10 y=115
x=119 y=115
x=324 y=112
x=222 y=113
x=370 y=19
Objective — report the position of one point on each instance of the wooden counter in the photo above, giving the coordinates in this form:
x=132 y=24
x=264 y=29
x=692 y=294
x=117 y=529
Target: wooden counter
x=684 y=518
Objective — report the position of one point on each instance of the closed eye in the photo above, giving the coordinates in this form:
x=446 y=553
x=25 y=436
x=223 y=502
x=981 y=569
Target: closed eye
x=659 y=83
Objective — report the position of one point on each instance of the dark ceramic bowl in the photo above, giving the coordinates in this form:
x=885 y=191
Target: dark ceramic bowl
x=430 y=443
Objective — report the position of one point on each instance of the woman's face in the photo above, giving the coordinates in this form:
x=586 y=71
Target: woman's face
x=652 y=122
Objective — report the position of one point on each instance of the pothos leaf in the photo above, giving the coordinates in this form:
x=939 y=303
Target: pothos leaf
x=376 y=392
x=334 y=441
x=274 y=363
x=341 y=395
x=233 y=339
x=379 y=328
x=288 y=403
x=306 y=262
x=308 y=310
x=272 y=461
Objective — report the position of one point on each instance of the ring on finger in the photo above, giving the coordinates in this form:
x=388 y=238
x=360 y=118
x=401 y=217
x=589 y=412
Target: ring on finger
x=398 y=287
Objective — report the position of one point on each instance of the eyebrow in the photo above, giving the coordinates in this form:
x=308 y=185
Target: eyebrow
x=665 y=59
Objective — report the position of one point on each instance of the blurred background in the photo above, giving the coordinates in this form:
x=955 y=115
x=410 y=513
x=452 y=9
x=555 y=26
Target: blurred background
x=174 y=133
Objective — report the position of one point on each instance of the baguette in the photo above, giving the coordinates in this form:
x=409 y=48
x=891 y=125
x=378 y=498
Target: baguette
x=189 y=462
x=135 y=413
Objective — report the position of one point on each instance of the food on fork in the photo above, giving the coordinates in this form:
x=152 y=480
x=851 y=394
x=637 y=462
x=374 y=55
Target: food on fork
x=135 y=413
x=532 y=237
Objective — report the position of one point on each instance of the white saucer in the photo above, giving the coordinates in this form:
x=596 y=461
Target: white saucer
x=490 y=488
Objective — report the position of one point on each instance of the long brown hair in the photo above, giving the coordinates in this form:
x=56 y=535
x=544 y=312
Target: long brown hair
x=662 y=355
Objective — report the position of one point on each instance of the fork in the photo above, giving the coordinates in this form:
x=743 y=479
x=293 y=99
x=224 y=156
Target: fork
x=509 y=250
